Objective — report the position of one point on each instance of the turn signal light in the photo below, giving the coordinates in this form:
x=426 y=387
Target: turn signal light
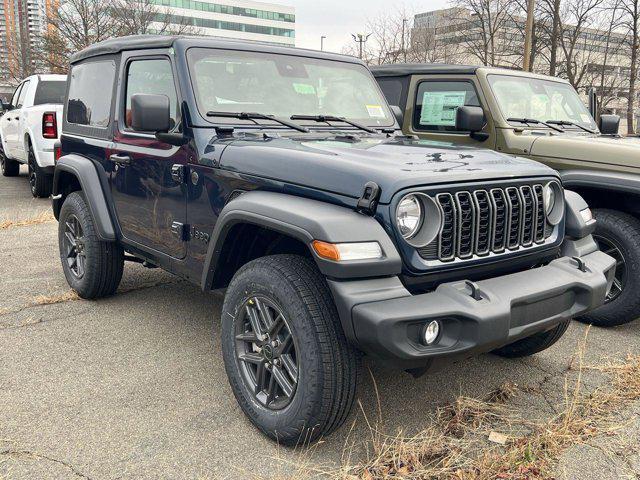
x=49 y=125
x=347 y=251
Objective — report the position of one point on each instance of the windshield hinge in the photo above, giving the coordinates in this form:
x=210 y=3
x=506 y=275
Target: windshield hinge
x=368 y=202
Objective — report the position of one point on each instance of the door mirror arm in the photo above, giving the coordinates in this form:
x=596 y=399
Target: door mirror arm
x=176 y=139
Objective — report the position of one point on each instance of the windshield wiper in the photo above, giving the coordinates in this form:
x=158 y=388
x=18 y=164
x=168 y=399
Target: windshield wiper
x=258 y=116
x=533 y=121
x=571 y=124
x=332 y=118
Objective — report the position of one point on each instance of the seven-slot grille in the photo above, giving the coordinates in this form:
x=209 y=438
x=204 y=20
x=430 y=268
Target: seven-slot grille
x=478 y=222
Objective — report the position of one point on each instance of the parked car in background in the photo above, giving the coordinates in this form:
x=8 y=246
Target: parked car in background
x=541 y=118
x=29 y=130
x=280 y=175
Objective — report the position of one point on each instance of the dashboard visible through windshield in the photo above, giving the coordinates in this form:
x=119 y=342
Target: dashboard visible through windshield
x=284 y=86
x=539 y=99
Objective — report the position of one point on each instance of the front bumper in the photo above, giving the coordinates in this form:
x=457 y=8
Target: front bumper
x=382 y=318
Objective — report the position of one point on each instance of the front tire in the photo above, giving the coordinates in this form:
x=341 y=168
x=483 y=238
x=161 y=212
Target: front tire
x=9 y=168
x=533 y=344
x=39 y=182
x=287 y=359
x=618 y=234
x=93 y=268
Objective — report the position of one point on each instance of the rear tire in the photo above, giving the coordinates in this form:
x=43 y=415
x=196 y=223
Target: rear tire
x=533 y=344
x=618 y=234
x=290 y=288
x=39 y=182
x=93 y=268
x=9 y=168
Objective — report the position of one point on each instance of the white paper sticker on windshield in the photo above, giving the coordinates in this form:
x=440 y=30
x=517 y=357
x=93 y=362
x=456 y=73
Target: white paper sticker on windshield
x=439 y=108
x=375 y=111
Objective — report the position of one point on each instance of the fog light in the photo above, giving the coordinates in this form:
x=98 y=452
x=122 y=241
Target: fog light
x=431 y=332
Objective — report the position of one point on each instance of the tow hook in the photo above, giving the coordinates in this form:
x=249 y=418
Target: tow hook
x=368 y=202
x=581 y=265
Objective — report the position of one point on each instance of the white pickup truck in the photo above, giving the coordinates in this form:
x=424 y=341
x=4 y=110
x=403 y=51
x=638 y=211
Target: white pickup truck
x=29 y=129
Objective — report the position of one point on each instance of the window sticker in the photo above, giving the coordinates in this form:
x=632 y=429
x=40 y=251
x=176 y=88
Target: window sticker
x=439 y=108
x=304 y=89
x=375 y=111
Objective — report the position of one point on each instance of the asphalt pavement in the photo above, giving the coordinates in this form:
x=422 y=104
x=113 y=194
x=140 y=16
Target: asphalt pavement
x=134 y=386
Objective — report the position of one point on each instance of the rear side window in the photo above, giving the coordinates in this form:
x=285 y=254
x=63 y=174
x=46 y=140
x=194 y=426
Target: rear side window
x=49 y=91
x=437 y=103
x=392 y=89
x=90 y=93
x=23 y=93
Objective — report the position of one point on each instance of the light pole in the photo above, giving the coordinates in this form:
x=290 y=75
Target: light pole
x=404 y=49
x=322 y=42
x=528 y=36
x=361 y=39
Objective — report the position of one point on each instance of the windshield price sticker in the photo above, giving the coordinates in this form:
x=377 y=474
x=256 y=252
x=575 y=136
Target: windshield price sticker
x=375 y=111
x=439 y=108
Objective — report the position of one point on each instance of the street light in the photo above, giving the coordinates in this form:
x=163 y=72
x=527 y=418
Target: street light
x=361 y=39
x=322 y=42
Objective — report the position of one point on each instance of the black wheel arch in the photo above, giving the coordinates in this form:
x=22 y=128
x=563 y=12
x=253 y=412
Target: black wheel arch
x=290 y=224
x=73 y=173
x=606 y=189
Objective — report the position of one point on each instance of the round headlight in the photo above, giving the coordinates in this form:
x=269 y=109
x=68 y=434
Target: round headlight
x=549 y=197
x=409 y=216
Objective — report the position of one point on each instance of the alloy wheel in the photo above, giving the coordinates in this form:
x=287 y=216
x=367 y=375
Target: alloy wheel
x=611 y=248
x=2 y=162
x=266 y=352
x=75 y=246
x=32 y=178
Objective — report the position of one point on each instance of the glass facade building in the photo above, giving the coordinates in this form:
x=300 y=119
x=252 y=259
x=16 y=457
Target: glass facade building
x=243 y=19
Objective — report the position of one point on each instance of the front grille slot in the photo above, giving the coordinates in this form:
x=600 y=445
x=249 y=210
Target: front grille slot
x=481 y=222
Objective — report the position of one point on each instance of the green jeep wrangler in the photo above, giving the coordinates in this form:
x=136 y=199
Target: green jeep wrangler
x=544 y=119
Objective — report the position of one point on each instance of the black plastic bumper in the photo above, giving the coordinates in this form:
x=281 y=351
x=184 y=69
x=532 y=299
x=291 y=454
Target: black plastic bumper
x=382 y=318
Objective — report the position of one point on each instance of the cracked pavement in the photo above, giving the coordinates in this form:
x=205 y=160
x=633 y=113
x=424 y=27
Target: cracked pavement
x=134 y=386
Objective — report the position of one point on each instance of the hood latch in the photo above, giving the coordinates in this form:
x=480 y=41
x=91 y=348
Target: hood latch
x=368 y=202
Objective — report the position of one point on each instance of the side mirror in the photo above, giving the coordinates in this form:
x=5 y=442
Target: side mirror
x=150 y=113
x=609 y=124
x=471 y=119
x=6 y=107
x=397 y=112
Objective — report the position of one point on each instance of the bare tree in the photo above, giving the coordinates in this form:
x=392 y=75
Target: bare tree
x=142 y=17
x=483 y=26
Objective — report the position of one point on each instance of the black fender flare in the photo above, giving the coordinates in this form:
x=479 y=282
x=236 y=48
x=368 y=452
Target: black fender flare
x=305 y=220
x=89 y=179
x=601 y=180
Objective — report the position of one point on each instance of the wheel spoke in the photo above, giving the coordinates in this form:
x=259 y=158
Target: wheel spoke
x=285 y=384
x=261 y=378
x=81 y=261
x=286 y=344
x=254 y=321
x=250 y=337
x=271 y=389
x=290 y=366
x=265 y=316
x=276 y=326
x=70 y=238
x=251 y=357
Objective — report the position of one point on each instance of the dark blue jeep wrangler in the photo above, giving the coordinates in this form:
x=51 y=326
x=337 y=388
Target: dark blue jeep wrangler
x=282 y=176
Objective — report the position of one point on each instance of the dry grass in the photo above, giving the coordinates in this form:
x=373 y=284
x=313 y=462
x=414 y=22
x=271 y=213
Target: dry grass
x=42 y=217
x=456 y=445
x=67 y=296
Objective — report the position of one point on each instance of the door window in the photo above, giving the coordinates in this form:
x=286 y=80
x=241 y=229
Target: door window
x=16 y=94
x=90 y=93
x=437 y=103
x=23 y=93
x=151 y=76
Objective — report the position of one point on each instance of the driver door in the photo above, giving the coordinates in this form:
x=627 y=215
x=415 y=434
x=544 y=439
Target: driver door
x=10 y=122
x=150 y=198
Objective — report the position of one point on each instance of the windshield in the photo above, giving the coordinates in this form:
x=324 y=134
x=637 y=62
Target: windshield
x=542 y=100
x=284 y=85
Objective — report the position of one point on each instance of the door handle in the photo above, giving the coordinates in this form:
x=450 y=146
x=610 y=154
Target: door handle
x=119 y=159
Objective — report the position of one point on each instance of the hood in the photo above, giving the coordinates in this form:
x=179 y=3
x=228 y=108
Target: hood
x=623 y=151
x=343 y=164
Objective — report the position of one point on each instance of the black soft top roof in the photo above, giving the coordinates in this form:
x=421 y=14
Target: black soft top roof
x=140 y=42
x=402 y=69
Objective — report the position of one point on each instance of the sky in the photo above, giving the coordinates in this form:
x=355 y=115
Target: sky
x=338 y=19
